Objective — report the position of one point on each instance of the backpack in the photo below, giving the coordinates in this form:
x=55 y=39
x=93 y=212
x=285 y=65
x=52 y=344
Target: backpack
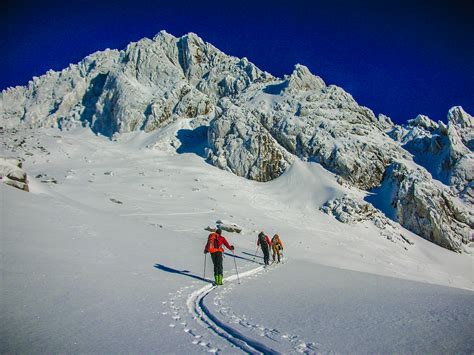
x=276 y=242
x=263 y=241
x=213 y=243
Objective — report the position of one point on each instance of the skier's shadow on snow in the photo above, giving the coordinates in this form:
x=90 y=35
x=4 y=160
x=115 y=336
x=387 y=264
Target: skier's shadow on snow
x=241 y=257
x=181 y=272
x=252 y=255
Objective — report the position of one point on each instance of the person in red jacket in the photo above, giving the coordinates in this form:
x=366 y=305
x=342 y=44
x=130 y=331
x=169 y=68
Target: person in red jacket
x=264 y=242
x=214 y=245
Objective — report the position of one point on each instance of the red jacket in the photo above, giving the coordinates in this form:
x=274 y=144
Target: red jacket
x=266 y=239
x=220 y=240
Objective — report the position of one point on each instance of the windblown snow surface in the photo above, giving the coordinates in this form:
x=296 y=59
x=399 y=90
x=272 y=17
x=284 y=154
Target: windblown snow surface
x=110 y=260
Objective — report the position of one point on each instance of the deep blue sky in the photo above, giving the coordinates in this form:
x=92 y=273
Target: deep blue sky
x=398 y=58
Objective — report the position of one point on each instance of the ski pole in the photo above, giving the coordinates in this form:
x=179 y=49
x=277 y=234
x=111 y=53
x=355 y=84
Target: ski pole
x=205 y=257
x=236 y=270
x=255 y=253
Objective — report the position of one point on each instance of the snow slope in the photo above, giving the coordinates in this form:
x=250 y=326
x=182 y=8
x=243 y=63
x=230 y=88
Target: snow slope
x=109 y=259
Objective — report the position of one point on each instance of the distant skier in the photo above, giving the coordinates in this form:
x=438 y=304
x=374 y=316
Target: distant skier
x=277 y=245
x=264 y=242
x=214 y=246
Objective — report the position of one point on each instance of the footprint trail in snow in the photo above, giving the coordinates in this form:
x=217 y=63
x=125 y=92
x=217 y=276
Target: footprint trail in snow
x=216 y=331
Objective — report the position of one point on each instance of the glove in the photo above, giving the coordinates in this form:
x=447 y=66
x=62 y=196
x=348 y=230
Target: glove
x=205 y=251
x=232 y=247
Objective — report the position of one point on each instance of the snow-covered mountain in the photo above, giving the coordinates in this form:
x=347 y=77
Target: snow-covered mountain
x=104 y=253
x=246 y=121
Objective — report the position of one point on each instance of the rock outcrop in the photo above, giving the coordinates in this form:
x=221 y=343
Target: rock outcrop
x=425 y=207
x=444 y=150
x=239 y=143
x=350 y=210
x=11 y=173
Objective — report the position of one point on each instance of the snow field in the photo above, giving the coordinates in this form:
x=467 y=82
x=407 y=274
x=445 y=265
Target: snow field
x=107 y=259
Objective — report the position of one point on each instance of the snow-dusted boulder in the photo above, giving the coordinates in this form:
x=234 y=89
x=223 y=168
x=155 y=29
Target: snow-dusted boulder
x=11 y=173
x=229 y=226
x=350 y=210
x=225 y=226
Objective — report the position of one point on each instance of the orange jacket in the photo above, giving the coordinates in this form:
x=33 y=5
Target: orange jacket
x=211 y=246
x=276 y=242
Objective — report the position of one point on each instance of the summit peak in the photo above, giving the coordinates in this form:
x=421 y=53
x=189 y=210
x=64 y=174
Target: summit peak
x=302 y=79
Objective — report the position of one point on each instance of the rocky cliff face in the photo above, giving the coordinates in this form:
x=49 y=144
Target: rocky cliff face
x=424 y=206
x=444 y=150
x=239 y=143
x=258 y=124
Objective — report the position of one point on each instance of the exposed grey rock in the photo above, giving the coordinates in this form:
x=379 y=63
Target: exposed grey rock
x=385 y=122
x=11 y=173
x=225 y=226
x=229 y=226
x=424 y=122
x=326 y=125
x=427 y=208
x=239 y=143
x=49 y=180
x=445 y=151
x=303 y=80
x=114 y=200
x=349 y=210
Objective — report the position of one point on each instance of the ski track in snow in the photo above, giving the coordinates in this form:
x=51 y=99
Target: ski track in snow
x=210 y=330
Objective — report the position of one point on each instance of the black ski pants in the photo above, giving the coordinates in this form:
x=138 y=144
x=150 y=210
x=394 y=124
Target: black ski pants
x=266 y=253
x=217 y=261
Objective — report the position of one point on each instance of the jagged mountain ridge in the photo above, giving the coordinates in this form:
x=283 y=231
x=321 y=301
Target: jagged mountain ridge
x=141 y=87
x=258 y=123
